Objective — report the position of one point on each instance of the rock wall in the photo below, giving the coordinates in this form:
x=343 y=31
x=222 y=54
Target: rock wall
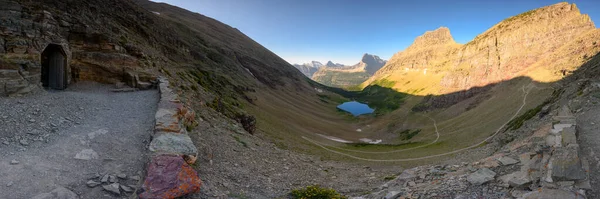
x=169 y=172
x=26 y=29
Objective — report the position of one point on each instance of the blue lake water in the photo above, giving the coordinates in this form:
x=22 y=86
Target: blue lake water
x=356 y=108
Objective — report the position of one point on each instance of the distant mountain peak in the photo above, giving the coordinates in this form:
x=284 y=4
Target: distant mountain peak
x=331 y=64
x=309 y=69
x=371 y=63
x=436 y=37
x=369 y=58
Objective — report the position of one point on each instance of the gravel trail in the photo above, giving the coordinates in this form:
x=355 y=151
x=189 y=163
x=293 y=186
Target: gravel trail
x=42 y=134
x=588 y=125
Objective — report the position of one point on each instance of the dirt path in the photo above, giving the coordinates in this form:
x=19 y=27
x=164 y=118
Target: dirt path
x=43 y=133
x=589 y=139
x=326 y=147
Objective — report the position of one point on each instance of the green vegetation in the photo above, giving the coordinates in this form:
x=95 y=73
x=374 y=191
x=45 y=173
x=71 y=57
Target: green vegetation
x=342 y=79
x=384 y=83
x=407 y=134
x=517 y=122
x=238 y=139
x=388 y=178
x=382 y=99
x=316 y=192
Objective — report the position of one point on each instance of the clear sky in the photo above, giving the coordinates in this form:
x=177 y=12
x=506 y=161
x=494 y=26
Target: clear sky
x=343 y=30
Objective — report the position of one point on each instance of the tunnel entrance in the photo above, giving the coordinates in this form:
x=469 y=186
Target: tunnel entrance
x=54 y=67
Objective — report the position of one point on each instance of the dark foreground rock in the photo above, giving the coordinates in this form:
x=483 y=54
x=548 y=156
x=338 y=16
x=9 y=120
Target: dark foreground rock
x=169 y=177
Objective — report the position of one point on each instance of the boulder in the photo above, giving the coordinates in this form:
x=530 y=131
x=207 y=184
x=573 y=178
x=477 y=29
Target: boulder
x=507 y=160
x=167 y=120
x=169 y=177
x=550 y=140
x=544 y=193
x=58 y=193
x=173 y=143
x=519 y=179
x=393 y=195
x=566 y=164
x=481 y=176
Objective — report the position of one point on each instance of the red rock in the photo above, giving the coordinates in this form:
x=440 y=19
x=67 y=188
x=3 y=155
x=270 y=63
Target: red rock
x=169 y=177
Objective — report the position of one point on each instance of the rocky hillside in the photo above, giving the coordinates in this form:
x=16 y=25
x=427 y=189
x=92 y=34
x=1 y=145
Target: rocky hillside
x=338 y=75
x=550 y=156
x=113 y=41
x=309 y=69
x=543 y=44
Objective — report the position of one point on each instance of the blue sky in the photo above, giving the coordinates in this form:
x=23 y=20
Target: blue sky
x=343 y=30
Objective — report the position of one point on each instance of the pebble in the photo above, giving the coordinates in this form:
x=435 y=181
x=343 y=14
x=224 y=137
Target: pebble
x=92 y=184
x=122 y=176
x=112 y=179
x=113 y=188
x=24 y=142
x=94 y=176
x=6 y=143
x=126 y=188
x=14 y=162
x=137 y=178
x=104 y=179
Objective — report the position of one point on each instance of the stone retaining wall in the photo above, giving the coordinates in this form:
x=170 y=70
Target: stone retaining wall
x=169 y=174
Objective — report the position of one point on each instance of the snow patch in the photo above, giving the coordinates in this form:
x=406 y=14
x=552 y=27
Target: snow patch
x=334 y=138
x=249 y=72
x=367 y=140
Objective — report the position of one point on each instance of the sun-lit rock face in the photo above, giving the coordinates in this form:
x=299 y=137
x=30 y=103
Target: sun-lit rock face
x=539 y=44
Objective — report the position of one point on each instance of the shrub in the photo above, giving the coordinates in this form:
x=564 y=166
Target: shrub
x=316 y=192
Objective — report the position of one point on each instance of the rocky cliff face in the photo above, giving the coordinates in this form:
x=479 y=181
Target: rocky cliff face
x=331 y=64
x=113 y=41
x=93 y=48
x=540 y=44
x=309 y=69
x=371 y=63
x=338 y=75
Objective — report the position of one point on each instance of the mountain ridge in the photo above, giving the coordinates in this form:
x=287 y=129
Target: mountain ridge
x=345 y=76
x=513 y=47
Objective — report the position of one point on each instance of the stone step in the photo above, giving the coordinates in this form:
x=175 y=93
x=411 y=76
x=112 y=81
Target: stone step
x=566 y=164
x=552 y=193
x=568 y=136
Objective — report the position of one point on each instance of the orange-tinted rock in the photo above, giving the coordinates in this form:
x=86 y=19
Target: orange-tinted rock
x=169 y=177
x=538 y=44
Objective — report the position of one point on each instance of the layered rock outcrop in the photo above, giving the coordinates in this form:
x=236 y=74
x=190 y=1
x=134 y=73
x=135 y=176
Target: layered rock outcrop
x=26 y=31
x=541 y=44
